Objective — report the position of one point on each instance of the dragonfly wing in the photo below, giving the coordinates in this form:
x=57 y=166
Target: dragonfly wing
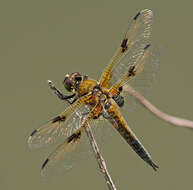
x=144 y=80
x=141 y=79
x=144 y=68
x=67 y=155
x=135 y=39
x=121 y=126
x=62 y=125
x=63 y=157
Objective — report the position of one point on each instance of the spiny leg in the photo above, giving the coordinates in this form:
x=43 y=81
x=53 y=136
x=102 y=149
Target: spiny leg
x=60 y=95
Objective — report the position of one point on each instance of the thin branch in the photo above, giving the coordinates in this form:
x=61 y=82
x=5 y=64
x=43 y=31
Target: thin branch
x=166 y=117
x=98 y=156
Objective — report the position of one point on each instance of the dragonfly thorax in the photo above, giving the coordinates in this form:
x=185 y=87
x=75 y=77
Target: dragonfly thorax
x=100 y=92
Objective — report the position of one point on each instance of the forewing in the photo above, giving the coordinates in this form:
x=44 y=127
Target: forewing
x=144 y=66
x=147 y=71
x=143 y=81
x=131 y=48
x=143 y=77
x=62 y=125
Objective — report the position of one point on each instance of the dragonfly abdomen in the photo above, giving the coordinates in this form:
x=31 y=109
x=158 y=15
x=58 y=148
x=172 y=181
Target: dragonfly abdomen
x=118 y=122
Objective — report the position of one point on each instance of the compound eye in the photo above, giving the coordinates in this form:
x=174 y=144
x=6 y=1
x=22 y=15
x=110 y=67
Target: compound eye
x=68 y=83
x=78 y=78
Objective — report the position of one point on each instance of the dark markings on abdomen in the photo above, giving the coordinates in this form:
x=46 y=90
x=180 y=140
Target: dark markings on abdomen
x=134 y=143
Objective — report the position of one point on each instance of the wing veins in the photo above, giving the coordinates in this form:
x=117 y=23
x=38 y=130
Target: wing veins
x=131 y=39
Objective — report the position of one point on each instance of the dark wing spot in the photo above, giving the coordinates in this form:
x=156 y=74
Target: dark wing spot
x=147 y=46
x=58 y=118
x=131 y=71
x=131 y=68
x=136 y=16
x=124 y=44
x=44 y=164
x=74 y=137
x=120 y=89
x=33 y=132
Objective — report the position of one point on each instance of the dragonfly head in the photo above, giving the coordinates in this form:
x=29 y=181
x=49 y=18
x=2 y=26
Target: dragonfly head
x=72 y=81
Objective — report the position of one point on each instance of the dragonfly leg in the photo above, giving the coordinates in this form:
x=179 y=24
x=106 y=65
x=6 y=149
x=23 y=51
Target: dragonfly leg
x=60 y=95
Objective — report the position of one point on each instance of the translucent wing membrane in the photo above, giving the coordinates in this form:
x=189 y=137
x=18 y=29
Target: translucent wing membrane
x=149 y=68
x=63 y=157
x=66 y=155
x=144 y=68
x=143 y=81
x=142 y=78
x=62 y=125
x=131 y=48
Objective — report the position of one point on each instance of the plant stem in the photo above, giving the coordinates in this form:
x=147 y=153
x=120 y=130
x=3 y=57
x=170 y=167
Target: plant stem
x=166 y=117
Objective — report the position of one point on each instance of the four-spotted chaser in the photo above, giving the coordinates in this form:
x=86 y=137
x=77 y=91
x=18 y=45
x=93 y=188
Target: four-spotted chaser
x=91 y=99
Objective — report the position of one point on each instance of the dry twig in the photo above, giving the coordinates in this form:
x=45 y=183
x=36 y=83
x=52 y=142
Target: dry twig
x=99 y=158
x=166 y=117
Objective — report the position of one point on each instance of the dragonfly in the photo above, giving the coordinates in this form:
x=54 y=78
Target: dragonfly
x=91 y=99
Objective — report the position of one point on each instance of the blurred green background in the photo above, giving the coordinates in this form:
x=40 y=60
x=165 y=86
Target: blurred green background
x=42 y=40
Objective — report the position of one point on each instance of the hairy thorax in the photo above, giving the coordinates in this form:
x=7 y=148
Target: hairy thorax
x=86 y=86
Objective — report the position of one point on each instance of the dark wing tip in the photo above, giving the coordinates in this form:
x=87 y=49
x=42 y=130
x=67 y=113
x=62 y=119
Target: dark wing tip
x=147 y=46
x=33 y=132
x=136 y=16
x=44 y=164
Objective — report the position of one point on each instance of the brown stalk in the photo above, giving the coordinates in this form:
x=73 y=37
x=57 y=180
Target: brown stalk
x=99 y=158
x=166 y=117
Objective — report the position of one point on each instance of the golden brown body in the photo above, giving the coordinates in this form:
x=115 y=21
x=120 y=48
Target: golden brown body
x=86 y=86
x=121 y=126
x=101 y=98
